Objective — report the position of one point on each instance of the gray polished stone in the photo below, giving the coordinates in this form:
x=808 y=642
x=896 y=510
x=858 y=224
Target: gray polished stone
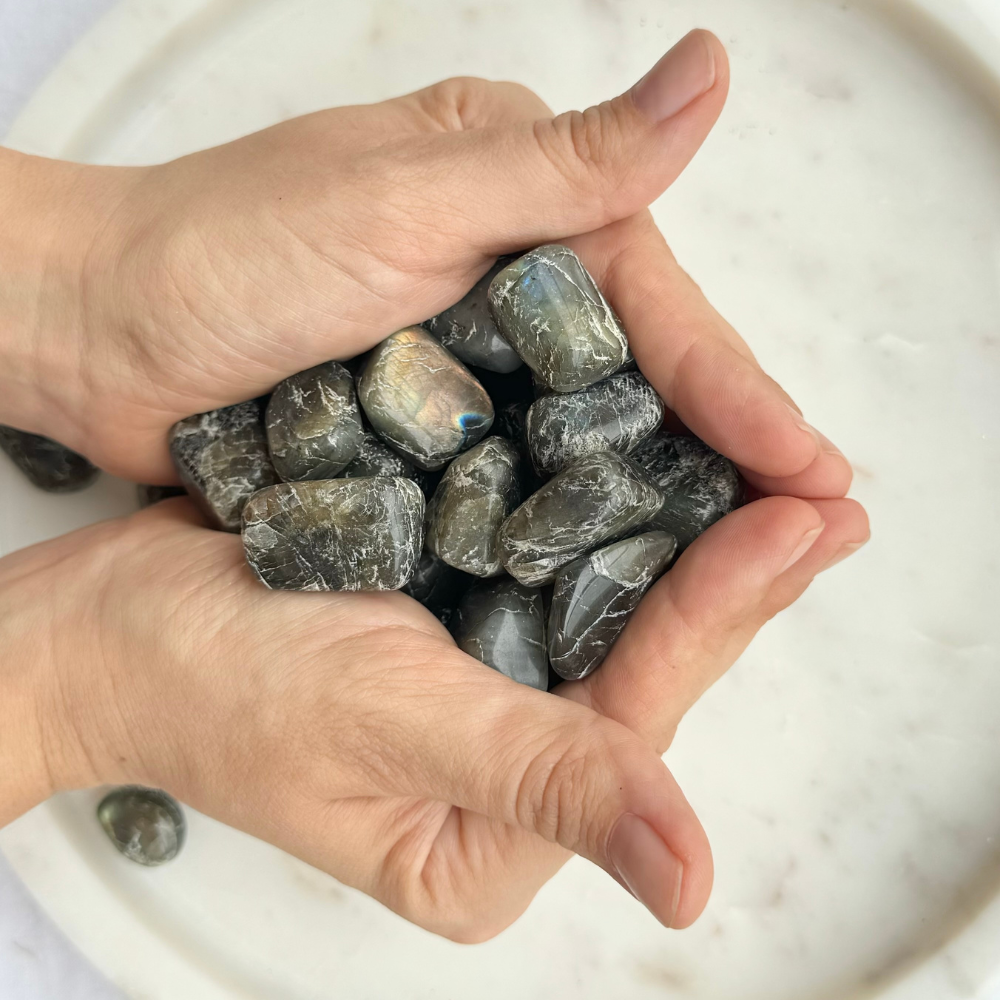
x=148 y=495
x=422 y=400
x=502 y=624
x=49 y=465
x=145 y=824
x=594 y=597
x=700 y=486
x=594 y=500
x=437 y=586
x=612 y=415
x=553 y=314
x=314 y=424
x=376 y=458
x=335 y=534
x=468 y=331
x=475 y=496
x=222 y=459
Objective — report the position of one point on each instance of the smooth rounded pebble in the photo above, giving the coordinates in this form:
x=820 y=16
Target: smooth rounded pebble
x=145 y=824
x=49 y=465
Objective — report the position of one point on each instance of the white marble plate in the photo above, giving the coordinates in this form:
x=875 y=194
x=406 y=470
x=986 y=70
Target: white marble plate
x=845 y=215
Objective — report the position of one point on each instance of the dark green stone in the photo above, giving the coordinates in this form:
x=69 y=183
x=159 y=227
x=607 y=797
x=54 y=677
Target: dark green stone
x=314 y=424
x=335 y=534
x=475 y=496
x=502 y=624
x=422 y=400
x=552 y=313
x=594 y=500
x=595 y=596
x=612 y=415
x=222 y=459
x=49 y=465
x=145 y=824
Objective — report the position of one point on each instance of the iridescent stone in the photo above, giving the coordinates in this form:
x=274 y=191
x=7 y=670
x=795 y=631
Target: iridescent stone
x=553 y=314
x=468 y=331
x=422 y=400
x=335 y=534
x=437 y=586
x=49 y=465
x=595 y=596
x=700 y=485
x=222 y=459
x=502 y=624
x=377 y=459
x=613 y=415
x=595 y=500
x=148 y=495
x=145 y=824
x=314 y=424
x=475 y=496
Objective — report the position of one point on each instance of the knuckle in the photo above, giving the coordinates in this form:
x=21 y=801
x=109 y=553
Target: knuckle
x=454 y=103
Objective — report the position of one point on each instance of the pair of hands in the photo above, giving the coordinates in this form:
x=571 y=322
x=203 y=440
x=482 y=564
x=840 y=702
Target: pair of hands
x=348 y=729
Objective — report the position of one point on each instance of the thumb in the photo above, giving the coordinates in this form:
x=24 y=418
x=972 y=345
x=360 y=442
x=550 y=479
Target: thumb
x=560 y=770
x=530 y=182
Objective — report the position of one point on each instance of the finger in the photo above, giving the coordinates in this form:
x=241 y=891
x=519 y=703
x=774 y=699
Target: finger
x=554 y=768
x=703 y=369
x=699 y=618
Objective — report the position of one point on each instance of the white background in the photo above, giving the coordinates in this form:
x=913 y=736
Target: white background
x=36 y=961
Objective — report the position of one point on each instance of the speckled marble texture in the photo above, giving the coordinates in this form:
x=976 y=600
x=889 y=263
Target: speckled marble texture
x=49 y=465
x=335 y=534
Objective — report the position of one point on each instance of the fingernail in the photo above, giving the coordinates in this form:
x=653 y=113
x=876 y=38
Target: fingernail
x=829 y=447
x=803 y=425
x=843 y=552
x=808 y=540
x=652 y=872
x=685 y=73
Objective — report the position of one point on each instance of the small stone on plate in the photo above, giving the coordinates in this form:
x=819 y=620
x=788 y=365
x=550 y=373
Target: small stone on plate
x=422 y=400
x=49 y=465
x=595 y=596
x=594 y=500
x=612 y=415
x=476 y=494
x=314 y=424
x=148 y=495
x=502 y=624
x=335 y=534
x=145 y=824
x=700 y=486
x=222 y=459
x=468 y=331
x=552 y=313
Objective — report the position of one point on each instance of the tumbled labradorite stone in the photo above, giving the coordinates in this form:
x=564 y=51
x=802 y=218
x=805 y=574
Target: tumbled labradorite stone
x=437 y=586
x=468 y=331
x=222 y=459
x=49 y=465
x=475 y=496
x=502 y=624
x=613 y=415
x=422 y=400
x=376 y=458
x=335 y=534
x=550 y=311
x=594 y=597
x=148 y=495
x=700 y=486
x=314 y=424
x=595 y=500
x=145 y=824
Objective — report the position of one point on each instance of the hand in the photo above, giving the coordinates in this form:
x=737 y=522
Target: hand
x=164 y=291
x=349 y=730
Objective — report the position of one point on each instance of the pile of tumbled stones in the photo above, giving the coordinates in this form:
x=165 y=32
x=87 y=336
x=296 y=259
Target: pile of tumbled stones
x=504 y=464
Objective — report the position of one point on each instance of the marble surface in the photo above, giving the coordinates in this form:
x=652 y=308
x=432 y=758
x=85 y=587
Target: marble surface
x=846 y=769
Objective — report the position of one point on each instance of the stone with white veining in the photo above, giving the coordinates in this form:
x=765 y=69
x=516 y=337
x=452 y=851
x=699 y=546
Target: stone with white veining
x=49 y=465
x=502 y=624
x=595 y=500
x=223 y=459
x=335 y=534
x=313 y=423
x=612 y=415
x=475 y=496
x=422 y=400
x=553 y=314
x=595 y=595
x=145 y=824
x=700 y=486
x=376 y=458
